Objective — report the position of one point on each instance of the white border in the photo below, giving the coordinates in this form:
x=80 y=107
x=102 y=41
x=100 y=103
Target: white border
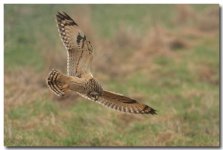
x=71 y=2
x=2 y=77
x=114 y=2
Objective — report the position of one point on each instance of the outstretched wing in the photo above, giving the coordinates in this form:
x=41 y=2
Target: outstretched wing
x=79 y=49
x=60 y=84
x=124 y=104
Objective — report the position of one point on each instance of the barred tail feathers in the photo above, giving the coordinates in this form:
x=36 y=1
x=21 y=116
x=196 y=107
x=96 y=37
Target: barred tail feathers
x=55 y=83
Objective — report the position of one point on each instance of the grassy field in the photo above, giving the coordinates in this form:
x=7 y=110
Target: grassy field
x=166 y=56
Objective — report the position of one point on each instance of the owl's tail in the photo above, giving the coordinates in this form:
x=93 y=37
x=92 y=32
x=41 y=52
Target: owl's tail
x=55 y=83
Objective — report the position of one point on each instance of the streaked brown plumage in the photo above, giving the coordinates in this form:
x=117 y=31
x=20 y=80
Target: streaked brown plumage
x=79 y=49
x=79 y=78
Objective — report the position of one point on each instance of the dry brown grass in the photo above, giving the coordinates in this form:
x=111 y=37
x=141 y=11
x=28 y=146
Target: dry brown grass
x=185 y=14
x=209 y=20
x=23 y=87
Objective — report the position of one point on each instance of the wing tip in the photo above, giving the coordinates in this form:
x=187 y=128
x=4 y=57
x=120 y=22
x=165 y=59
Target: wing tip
x=148 y=110
x=152 y=111
x=62 y=15
x=59 y=15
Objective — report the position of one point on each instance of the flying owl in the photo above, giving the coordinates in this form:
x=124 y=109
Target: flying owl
x=79 y=78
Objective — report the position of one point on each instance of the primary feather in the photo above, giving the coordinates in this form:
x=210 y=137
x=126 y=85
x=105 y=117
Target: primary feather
x=79 y=49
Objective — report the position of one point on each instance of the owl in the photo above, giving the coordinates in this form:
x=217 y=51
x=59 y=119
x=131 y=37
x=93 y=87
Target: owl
x=79 y=78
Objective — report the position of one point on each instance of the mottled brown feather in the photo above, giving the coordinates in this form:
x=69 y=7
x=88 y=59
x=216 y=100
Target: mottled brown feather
x=123 y=103
x=79 y=49
x=53 y=82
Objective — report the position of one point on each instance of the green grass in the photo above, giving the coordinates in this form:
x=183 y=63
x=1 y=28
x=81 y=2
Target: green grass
x=182 y=84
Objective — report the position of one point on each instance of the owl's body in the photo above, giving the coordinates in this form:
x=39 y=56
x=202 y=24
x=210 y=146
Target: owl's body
x=79 y=78
x=60 y=84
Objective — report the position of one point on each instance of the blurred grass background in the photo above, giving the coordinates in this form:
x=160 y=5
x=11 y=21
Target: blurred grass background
x=166 y=56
